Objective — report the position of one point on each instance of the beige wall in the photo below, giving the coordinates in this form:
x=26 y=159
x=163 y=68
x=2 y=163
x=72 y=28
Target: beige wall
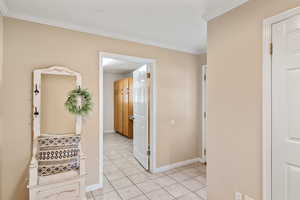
x=29 y=45
x=54 y=93
x=235 y=99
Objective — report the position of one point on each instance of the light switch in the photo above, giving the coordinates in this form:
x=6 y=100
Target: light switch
x=238 y=196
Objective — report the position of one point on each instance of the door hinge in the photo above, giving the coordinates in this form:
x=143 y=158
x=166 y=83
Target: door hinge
x=148 y=151
x=204 y=152
x=205 y=115
x=271 y=48
x=204 y=77
x=148 y=75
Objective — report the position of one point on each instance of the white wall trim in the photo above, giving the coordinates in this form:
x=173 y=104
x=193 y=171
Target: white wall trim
x=208 y=16
x=204 y=109
x=267 y=99
x=222 y=10
x=176 y=165
x=3 y=8
x=153 y=134
x=93 y=187
x=100 y=32
x=202 y=160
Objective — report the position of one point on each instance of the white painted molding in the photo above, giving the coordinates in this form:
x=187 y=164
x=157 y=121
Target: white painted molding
x=91 y=30
x=222 y=10
x=176 y=165
x=3 y=8
x=93 y=187
x=267 y=100
x=6 y=12
x=204 y=109
x=153 y=133
x=101 y=122
x=202 y=160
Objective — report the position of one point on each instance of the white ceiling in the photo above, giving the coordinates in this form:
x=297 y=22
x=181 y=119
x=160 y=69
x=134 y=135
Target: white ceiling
x=173 y=24
x=118 y=66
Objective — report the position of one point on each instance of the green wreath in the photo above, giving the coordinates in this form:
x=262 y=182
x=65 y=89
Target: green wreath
x=86 y=102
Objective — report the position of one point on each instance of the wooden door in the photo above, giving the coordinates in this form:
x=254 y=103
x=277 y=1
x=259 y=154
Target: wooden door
x=120 y=107
x=125 y=107
x=130 y=107
x=116 y=105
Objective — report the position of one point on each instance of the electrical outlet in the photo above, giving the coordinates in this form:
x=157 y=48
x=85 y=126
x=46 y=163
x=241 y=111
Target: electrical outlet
x=238 y=196
x=248 y=198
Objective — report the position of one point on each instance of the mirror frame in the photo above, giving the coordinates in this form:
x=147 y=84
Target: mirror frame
x=36 y=113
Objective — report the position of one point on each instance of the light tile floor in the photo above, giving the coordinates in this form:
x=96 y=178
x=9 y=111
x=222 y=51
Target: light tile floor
x=125 y=179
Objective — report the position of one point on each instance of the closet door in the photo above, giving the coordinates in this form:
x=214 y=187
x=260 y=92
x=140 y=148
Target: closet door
x=130 y=107
x=115 y=105
x=120 y=107
x=125 y=107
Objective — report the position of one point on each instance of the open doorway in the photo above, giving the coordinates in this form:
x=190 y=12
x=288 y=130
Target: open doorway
x=127 y=103
x=126 y=158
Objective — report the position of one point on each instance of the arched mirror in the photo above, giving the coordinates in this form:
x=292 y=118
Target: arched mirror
x=51 y=88
x=55 y=119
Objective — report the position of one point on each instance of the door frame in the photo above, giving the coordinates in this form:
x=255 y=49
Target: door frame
x=267 y=99
x=153 y=108
x=204 y=112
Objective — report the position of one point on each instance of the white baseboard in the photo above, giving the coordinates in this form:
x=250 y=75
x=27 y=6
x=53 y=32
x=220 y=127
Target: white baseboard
x=202 y=160
x=109 y=131
x=93 y=187
x=175 y=165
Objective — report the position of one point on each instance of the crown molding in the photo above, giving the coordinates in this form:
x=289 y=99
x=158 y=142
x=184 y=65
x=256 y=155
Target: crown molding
x=3 y=8
x=222 y=10
x=99 y=32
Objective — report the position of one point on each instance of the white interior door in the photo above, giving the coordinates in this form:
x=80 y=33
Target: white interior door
x=204 y=111
x=286 y=110
x=140 y=113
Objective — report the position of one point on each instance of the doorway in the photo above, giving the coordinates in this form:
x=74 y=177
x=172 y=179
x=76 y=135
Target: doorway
x=281 y=107
x=121 y=145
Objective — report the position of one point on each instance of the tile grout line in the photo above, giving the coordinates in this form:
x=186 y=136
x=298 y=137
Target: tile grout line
x=114 y=188
x=188 y=188
x=127 y=176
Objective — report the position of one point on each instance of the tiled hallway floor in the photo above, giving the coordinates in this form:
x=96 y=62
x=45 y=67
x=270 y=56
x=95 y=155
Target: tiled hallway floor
x=125 y=179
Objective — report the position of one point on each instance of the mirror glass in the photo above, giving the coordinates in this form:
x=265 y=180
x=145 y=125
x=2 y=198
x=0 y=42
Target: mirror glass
x=55 y=119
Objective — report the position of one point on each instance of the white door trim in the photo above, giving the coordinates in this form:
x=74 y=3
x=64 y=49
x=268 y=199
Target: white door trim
x=153 y=107
x=204 y=109
x=267 y=99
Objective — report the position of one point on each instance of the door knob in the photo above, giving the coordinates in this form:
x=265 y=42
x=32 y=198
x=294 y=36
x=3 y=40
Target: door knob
x=131 y=117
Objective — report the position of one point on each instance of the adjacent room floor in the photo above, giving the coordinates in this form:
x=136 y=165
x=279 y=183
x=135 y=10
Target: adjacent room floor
x=125 y=179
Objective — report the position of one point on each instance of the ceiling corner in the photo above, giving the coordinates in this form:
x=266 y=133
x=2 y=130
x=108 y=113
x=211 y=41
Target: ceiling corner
x=223 y=9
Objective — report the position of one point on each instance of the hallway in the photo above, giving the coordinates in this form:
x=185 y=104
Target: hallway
x=125 y=179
